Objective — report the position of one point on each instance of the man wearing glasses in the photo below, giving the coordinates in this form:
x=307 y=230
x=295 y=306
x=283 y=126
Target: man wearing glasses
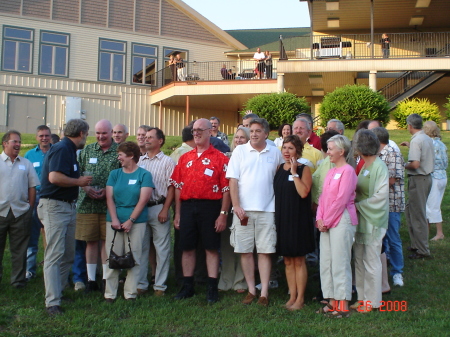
x=18 y=181
x=202 y=200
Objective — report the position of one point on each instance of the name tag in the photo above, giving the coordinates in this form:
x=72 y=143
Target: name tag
x=337 y=176
x=365 y=173
x=132 y=182
x=22 y=167
x=209 y=172
x=75 y=168
x=92 y=160
x=290 y=178
x=36 y=164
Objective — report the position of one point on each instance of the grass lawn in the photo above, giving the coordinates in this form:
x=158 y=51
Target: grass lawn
x=426 y=291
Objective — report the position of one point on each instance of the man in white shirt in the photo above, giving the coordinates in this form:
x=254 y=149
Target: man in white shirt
x=259 y=57
x=251 y=171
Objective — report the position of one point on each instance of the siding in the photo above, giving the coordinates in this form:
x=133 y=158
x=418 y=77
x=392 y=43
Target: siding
x=94 y=12
x=147 y=16
x=121 y=14
x=176 y=23
x=10 y=6
x=66 y=10
x=36 y=8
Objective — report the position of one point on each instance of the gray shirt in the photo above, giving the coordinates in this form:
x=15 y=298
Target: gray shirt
x=15 y=180
x=421 y=149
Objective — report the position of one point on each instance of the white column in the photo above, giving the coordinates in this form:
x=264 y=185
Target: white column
x=373 y=80
x=280 y=82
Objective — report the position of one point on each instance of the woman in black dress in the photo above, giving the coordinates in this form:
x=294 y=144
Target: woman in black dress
x=293 y=218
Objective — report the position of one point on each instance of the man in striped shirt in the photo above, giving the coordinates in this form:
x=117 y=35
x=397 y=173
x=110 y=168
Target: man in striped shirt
x=158 y=226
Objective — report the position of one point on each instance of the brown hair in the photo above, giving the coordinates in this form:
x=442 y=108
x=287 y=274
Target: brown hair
x=130 y=149
x=298 y=144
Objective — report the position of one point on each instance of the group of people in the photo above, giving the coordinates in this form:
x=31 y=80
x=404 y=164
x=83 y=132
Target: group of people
x=237 y=207
x=264 y=64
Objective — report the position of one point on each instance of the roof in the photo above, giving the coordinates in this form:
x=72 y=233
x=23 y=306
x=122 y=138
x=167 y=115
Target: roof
x=253 y=38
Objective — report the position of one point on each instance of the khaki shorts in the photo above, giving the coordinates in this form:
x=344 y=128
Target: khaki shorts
x=91 y=227
x=260 y=230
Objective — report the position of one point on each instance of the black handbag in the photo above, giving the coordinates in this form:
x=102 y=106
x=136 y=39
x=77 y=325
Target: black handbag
x=125 y=261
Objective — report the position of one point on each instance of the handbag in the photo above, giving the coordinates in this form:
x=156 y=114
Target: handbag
x=125 y=261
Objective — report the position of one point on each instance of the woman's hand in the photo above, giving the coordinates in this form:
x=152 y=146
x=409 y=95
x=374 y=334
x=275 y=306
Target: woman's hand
x=294 y=164
x=116 y=224
x=321 y=226
x=127 y=226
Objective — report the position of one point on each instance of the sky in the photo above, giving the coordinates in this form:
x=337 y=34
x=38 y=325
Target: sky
x=253 y=14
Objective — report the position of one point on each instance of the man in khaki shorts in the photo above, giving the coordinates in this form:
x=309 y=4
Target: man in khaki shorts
x=98 y=160
x=251 y=171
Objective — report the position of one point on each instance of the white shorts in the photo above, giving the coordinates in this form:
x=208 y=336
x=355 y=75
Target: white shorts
x=260 y=230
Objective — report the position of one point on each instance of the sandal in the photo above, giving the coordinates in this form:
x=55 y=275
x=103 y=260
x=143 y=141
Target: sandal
x=326 y=309
x=339 y=314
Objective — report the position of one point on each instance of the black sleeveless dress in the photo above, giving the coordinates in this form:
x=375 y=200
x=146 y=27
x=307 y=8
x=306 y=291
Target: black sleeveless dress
x=293 y=216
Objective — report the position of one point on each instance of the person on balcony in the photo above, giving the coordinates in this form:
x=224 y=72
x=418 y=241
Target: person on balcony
x=259 y=57
x=385 y=45
x=181 y=68
x=224 y=71
x=268 y=64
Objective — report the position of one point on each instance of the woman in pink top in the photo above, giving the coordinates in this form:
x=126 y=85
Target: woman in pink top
x=337 y=220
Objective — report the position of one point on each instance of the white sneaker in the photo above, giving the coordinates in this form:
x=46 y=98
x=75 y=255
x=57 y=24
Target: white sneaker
x=272 y=285
x=398 y=280
x=79 y=286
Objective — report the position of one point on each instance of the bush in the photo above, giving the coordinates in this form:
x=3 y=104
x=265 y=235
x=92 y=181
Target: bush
x=421 y=106
x=353 y=103
x=277 y=108
x=447 y=108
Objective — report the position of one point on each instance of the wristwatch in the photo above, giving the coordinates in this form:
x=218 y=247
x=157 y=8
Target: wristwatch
x=132 y=219
x=295 y=176
x=224 y=212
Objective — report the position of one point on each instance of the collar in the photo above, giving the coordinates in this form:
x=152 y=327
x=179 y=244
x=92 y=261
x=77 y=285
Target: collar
x=250 y=148
x=113 y=147
x=37 y=148
x=5 y=157
x=159 y=155
x=417 y=133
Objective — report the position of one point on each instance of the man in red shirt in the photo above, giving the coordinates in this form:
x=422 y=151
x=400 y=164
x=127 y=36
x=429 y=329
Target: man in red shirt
x=312 y=139
x=202 y=200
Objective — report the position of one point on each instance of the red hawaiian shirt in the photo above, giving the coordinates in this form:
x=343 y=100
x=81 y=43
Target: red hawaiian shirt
x=201 y=177
x=314 y=140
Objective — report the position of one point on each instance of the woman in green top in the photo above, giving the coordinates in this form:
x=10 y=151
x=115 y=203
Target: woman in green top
x=372 y=204
x=128 y=191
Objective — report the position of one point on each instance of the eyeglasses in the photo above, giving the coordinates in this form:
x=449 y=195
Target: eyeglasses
x=198 y=130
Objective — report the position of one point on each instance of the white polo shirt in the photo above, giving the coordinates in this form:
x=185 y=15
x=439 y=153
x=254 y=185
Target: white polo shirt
x=255 y=172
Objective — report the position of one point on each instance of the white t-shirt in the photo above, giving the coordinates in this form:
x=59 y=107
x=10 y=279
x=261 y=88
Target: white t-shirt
x=259 y=56
x=255 y=172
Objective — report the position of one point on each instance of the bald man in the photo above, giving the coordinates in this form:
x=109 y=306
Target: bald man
x=120 y=133
x=99 y=159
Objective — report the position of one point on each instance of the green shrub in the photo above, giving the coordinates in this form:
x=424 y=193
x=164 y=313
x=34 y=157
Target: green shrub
x=277 y=108
x=353 y=103
x=421 y=106
x=447 y=108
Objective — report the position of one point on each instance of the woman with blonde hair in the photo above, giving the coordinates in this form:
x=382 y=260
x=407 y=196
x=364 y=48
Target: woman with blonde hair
x=439 y=178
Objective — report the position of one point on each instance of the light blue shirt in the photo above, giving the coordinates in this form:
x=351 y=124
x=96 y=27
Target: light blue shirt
x=36 y=157
x=440 y=159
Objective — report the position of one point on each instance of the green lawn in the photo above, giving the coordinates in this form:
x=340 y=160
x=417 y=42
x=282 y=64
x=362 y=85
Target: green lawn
x=426 y=291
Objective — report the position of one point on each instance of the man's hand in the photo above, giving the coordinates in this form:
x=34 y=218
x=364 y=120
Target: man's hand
x=176 y=221
x=163 y=216
x=239 y=212
x=84 y=181
x=404 y=144
x=93 y=193
x=221 y=223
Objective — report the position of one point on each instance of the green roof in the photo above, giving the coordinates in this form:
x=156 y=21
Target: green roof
x=254 y=38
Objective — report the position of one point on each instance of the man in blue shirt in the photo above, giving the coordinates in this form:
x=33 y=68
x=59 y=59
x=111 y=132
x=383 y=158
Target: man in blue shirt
x=36 y=157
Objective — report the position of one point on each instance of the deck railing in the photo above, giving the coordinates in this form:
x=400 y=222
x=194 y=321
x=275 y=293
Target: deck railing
x=213 y=71
x=360 y=46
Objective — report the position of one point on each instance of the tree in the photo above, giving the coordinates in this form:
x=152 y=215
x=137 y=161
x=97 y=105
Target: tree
x=277 y=108
x=353 y=103
x=421 y=106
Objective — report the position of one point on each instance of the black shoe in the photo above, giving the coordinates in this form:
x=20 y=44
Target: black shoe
x=212 y=296
x=54 y=310
x=185 y=292
x=19 y=285
x=91 y=286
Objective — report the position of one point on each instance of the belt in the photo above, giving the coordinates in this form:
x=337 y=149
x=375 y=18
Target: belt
x=156 y=202
x=63 y=200
x=417 y=175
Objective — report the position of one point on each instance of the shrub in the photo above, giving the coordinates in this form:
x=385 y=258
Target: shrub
x=353 y=103
x=277 y=108
x=447 y=108
x=421 y=106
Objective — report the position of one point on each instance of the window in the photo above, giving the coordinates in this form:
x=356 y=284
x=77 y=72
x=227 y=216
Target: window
x=17 y=49
x=54 y=58
x=144 y=64
x=112 y=61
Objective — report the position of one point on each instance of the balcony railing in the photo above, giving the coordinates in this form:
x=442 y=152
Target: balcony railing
x=359 y=46
x=213 y=71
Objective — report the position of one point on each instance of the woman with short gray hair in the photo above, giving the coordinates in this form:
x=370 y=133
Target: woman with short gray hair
x=372 y=203
x=438 y=177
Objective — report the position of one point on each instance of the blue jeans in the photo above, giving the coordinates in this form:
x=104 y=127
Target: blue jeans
x=33 y=244
x=79 y=269
x=393 y=241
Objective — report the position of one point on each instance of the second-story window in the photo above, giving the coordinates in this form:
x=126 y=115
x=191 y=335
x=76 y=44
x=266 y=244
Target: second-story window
x=112 y=56
x=144 y=64
x=17 y=53
x=54 y=58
